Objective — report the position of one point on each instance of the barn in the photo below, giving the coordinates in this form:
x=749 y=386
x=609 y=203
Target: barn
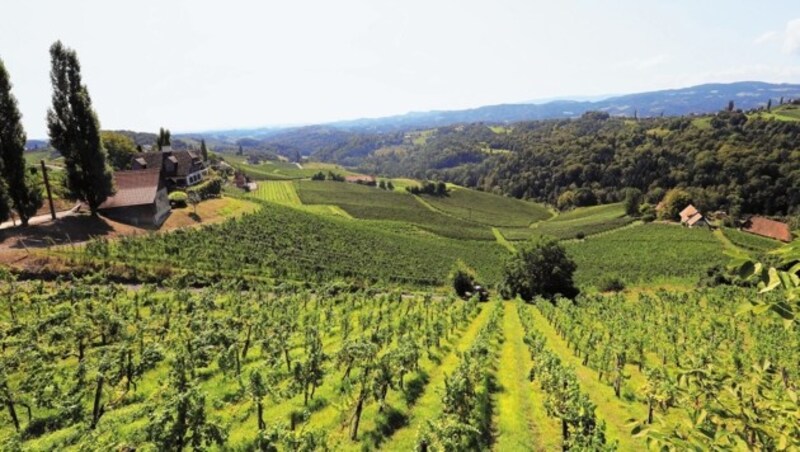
x=141 y=199
x=768 y=228
x=691 y=217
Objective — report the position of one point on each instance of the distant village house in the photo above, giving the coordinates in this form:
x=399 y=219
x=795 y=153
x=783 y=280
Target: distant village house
x=360 y=179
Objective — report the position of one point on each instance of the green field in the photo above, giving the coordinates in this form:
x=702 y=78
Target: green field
x=647 y=253
x=491 y=210
x=281 y=192
x=583 y=220
x=372 y=203
x=786 y=112
x=280 y=170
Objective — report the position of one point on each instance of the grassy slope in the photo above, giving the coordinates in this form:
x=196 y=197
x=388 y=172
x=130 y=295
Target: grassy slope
x=647 y=253
x=522 y=421
x=586 y=220
x=279 y=170
x=489 y=209
x=284 y=242
x=375 y=204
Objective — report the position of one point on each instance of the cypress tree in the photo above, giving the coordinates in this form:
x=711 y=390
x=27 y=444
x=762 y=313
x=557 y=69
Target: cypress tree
x=204 y=150
x=75 y=131
x=24 y=195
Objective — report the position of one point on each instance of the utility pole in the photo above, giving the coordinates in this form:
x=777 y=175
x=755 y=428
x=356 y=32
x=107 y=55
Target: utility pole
x=47 y=186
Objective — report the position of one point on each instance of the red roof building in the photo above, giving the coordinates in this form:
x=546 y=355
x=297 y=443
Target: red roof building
x=691 y=217
x=768 y=228
x=360 y=179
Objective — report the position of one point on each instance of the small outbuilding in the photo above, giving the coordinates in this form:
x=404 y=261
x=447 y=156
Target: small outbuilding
x=141 y=198
x=768 y=228
x=691 y=217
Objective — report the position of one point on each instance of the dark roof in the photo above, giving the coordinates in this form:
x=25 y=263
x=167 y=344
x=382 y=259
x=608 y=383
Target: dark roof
x=768 y=228
x=134 y=188
x=188 y=163
x=183 y=162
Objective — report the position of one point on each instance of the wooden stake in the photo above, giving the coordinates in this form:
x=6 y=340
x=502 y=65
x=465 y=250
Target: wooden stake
x=47 y=186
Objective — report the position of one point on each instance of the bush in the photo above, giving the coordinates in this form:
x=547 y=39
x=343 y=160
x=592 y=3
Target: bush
x=211 y=188
x=540 y=267
x=580 y=236
x=611 y=284
x=463 y=279
x=178 y=199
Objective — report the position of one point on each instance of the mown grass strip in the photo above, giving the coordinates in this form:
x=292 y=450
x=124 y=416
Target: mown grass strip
x=502 y=240
x=522 y=421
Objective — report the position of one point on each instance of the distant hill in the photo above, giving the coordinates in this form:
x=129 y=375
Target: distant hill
x=698 y=99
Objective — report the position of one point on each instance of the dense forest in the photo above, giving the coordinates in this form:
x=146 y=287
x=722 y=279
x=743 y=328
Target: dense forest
x=727 y=161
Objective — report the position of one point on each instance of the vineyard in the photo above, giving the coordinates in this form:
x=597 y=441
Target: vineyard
x=585 y=221
x=280 y=242
x=371 y=203
x=647 y=253
x=88 y=364
x=750 y=242
x=488 y=209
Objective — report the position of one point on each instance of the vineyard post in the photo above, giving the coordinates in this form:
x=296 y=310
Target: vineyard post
x=47 y=187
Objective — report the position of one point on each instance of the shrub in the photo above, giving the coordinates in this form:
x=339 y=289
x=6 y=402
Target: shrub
x=178 y=199
x=611 y=284
x=210 y=188
x=580 y=236
x=463 y=279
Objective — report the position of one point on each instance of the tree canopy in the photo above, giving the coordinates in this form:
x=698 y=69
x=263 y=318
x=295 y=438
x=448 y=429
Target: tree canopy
x=21 y=190
x=75 y=131
x=540 y=267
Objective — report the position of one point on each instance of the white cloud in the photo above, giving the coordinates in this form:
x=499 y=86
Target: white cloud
x=767 y=37
x=791 y=42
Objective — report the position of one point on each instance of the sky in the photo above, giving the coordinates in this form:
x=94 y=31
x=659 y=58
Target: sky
x=209 y=65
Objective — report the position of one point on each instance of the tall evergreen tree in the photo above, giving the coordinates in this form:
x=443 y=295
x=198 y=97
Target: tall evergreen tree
x=204 y=150
x=164 y=138
x=75 y=131
x=23 y=193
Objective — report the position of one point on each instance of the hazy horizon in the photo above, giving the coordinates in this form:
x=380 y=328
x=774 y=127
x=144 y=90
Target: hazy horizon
x=200 y=66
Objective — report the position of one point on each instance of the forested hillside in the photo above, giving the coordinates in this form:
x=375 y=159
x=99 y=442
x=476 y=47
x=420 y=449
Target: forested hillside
x=731 y=160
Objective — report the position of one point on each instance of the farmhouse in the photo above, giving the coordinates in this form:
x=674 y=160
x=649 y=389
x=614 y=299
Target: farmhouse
x=141 y=198
x=179 y=169
x=691 y=217
x=768 y=228
x=360 y=179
